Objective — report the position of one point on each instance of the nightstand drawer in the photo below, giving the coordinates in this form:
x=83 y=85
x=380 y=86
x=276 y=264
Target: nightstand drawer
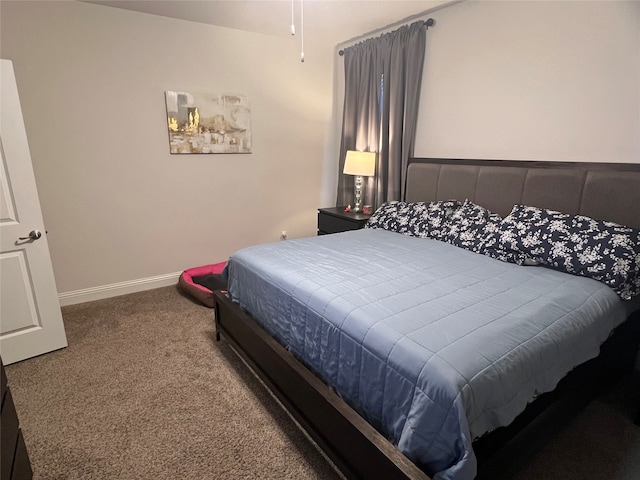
x=329 y=224
x=335 y=220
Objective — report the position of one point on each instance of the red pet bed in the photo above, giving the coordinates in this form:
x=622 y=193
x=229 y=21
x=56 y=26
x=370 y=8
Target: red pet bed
x=200 y=282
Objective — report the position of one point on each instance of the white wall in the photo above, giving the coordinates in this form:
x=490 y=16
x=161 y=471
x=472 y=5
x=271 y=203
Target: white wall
x=533 y=80
x=118 y=207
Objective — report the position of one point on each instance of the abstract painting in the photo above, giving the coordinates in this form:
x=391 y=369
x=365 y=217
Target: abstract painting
x=208 y=123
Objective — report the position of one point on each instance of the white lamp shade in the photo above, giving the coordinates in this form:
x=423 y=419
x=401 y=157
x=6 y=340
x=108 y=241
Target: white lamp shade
x=360 y=163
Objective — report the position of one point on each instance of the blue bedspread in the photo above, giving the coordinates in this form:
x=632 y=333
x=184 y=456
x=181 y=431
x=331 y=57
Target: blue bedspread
x=432 y=344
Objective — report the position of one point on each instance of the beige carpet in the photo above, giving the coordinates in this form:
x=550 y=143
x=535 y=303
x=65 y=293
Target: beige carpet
x=144 y=391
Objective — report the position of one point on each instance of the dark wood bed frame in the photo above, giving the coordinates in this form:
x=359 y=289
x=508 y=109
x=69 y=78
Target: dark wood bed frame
x=601 y=190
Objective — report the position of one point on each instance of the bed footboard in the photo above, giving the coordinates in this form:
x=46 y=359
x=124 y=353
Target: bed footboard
x=353 y=445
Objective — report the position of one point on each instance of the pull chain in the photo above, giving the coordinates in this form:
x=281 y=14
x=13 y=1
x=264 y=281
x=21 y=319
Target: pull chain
x=302 y=30
x=293 y=25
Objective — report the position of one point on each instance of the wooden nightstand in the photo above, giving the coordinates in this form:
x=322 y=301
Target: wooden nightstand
x=335 y=220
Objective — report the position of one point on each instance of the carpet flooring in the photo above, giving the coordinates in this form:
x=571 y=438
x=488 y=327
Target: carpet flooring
x=143 y=391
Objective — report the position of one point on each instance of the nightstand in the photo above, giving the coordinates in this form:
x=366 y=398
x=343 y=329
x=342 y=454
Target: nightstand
x=335 y=220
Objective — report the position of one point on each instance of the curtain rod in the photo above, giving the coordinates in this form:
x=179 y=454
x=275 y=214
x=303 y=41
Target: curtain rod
x=430 y=22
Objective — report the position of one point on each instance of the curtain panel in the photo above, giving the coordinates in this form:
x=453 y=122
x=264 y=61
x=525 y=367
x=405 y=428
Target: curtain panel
x=382 y=88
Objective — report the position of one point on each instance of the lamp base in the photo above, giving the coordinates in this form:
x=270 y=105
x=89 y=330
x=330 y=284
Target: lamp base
x=357 y=207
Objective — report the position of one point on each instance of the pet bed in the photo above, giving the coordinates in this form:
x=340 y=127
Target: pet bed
x=200 y=282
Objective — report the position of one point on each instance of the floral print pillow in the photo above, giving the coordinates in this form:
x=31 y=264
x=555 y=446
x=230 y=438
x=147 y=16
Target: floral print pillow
x=475 y=228
x=417 y=219
x=389 y=216
x=431 y=220
x=604 y=251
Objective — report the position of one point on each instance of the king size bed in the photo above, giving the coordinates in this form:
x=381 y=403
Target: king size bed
x=442 y=337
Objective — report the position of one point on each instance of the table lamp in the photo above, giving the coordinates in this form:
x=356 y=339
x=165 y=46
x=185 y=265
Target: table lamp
x=360 y=164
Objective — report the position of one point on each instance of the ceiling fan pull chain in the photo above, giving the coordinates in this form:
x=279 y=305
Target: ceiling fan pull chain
x=302 y=30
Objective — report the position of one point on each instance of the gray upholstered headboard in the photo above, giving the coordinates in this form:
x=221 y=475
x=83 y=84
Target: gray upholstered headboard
x=604 y=191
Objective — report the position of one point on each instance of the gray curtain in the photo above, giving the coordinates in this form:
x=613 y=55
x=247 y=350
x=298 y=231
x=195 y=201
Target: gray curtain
x=382 y=87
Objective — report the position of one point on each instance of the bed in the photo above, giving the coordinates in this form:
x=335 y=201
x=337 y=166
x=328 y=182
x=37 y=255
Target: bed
x=408 y=363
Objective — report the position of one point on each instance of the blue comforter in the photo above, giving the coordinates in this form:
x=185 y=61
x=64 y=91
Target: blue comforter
x=432 y=344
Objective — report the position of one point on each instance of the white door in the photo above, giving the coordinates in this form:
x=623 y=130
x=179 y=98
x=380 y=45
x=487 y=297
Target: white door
x=30 y=317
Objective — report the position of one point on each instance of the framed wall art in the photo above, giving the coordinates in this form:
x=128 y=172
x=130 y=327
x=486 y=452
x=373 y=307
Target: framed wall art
x=208 y=123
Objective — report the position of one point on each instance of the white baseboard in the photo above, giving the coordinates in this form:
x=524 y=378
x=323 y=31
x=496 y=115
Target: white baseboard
x=117 y=289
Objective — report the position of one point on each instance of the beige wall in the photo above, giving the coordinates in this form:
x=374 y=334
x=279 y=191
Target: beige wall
x=533 y=80
x=118 y=207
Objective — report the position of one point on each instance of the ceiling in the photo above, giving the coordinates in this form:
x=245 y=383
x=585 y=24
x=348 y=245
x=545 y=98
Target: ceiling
x=337 y=21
